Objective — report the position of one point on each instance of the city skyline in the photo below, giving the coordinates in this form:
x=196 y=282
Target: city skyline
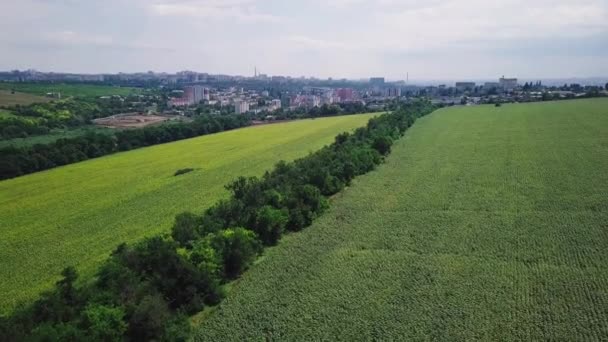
x=353 y=39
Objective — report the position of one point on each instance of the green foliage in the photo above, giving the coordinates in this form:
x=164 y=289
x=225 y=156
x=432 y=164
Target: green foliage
x=104 y=323
x=186 y=228
x=270 y=223
x=237 y=248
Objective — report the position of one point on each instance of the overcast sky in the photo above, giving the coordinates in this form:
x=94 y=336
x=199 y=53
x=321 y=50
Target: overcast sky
x=432 y=39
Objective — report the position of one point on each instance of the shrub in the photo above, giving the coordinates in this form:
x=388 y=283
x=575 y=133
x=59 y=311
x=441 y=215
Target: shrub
x=182 y=171
x=186 y=228
x=238 y=249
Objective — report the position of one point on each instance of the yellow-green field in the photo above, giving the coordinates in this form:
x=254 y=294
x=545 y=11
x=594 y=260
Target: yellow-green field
x=77 y=214
x=8 y=98
x=67 y=89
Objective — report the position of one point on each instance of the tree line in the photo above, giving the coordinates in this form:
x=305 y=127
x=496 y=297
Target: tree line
x=146 y=291
x=17 y=161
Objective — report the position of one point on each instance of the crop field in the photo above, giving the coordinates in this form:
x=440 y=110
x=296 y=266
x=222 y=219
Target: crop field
x=67 y=89
x=485 y=223
x=7 y=98
x=77 y=214
x=54 y=135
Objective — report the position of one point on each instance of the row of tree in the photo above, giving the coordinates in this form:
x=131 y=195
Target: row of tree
x=17 y=161
x=146 y=291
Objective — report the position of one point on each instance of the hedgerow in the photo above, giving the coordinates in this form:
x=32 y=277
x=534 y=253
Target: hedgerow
x=147 y=290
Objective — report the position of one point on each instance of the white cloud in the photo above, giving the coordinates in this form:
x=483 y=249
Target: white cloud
x=242 y=10
x=340 y=38
x=68 y=37
x=302 y=41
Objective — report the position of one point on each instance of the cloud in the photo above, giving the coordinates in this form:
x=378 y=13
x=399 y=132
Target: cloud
x=241 y=10
x=306 y=42
x=340 y=38
x=68 y=37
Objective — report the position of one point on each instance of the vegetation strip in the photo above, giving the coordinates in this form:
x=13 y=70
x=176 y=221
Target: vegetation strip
x=145 y=291
x=18 y=161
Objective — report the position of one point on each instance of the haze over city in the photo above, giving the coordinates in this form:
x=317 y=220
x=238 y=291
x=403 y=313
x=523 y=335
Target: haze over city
x=436 y=39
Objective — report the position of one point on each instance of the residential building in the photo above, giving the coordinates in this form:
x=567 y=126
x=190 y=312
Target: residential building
x=393 y=92
x=465 y=86
x=345 y=94
x=275 y=104
x=241 y=106
x=508 y=83
x=377 y=81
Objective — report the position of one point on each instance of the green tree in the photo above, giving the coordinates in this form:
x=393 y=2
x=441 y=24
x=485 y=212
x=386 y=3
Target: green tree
x=185 y=228
x=382 y=145
x=270 y=224
x=104 y=323
x=148 y=320
x=238 y=248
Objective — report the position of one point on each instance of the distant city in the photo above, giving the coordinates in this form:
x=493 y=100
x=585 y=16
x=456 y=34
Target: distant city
x=261 y=93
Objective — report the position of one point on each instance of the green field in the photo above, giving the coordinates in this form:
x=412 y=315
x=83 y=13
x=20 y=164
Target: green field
x=67 y=89
x=77 y=214
x=7 y=98
x=54 y=135
x=484 y=224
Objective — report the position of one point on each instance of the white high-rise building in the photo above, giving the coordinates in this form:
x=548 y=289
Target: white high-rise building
x=241 y=107
x=508 y=83
x=276 y=104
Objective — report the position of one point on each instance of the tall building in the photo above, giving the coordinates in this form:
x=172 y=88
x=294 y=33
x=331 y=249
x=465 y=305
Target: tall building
x=377 y=81
x=393 y=92
x=464 y=86
x=194 y=94
x=275 y=104
x=345 y=94
x=241 y=106
x=508 y=83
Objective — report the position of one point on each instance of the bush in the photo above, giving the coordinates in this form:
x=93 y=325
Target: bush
x=182 y=171
x=238 y=249
x=270 y=224
x=186 y=228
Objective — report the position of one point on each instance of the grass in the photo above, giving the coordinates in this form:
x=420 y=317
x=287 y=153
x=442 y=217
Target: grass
x=67 y=89
x=484 y=224
x=77 y=214
x=8 y=99
x=54 y=135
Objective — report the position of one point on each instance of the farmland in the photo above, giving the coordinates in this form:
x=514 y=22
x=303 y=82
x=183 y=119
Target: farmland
x=7 y=98
x=66 y=89
x=485 y=223
x=76 y=215
x=54 y=135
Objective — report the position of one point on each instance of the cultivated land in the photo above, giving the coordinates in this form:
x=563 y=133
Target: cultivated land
x=484 y=224
x=54 y=135
x=8 y=99
x=77 y=214
x=66 y=90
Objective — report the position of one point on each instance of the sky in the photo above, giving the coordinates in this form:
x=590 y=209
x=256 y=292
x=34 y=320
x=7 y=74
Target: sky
x=431 y=39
